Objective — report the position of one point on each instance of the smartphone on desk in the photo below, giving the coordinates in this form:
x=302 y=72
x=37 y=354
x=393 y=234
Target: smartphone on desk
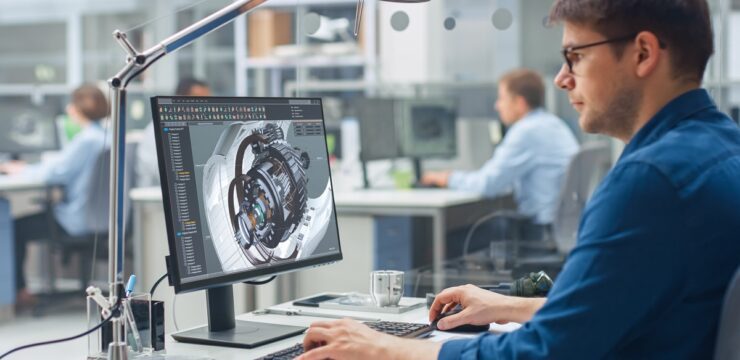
x=316 y=300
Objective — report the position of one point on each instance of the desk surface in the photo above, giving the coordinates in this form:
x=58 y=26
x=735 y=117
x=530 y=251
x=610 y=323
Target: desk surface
x=16 y=183
x=422 y=198
x=216 y=352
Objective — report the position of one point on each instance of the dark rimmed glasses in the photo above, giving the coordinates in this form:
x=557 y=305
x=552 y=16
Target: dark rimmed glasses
x=570 y=56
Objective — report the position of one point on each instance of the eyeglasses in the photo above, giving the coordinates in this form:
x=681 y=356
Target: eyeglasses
x=570 y=57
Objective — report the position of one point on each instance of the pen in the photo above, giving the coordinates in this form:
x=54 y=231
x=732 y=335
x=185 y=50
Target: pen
x=290 y=312
x=129 y=318
x=130 y=285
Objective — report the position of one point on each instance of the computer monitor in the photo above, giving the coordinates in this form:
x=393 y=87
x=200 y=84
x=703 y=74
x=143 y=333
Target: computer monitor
x=27 y=129
x=407 y=128
x=427 y=129
x=247 y=194
x=377 y=118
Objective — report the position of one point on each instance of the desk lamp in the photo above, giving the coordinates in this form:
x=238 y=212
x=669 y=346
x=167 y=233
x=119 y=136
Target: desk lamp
x=136 y=63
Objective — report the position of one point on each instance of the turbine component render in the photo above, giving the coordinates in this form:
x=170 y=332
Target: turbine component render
x=267 y=202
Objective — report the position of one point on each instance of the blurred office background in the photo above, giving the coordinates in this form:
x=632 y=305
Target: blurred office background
x=445 y=53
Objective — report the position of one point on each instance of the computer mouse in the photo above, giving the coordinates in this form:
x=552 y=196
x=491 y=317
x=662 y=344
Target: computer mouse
x=466 y=328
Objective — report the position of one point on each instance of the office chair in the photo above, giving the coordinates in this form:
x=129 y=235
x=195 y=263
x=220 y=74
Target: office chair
x=94 y=243
x=585 y=171
x=728 y=335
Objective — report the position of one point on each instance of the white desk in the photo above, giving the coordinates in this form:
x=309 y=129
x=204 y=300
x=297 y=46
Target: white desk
x=446 y=208
x=222 y=353
x=13 y=183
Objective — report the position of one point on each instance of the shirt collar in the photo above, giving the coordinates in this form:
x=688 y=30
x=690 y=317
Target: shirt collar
x=530 y=115
x=678 y=109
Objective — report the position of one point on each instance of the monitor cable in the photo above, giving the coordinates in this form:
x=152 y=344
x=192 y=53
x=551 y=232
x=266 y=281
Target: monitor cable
x=115 y=312
x=174 y=298
x=261 y=282
x=154 y=287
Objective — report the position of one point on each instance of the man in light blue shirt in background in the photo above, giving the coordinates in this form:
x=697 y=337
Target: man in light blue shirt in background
x=532 y=158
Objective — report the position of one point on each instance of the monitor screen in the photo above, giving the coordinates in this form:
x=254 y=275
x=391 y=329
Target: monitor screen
x=429 y=131
x=27 y=129
x=246 y=187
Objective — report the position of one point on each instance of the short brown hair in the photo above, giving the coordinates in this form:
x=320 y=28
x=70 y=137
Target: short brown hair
x=90 y=102
x=683 y=25
x=527 y=84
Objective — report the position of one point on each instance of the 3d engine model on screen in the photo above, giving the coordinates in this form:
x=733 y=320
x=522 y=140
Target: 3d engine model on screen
x=266 y=202
x=256 y=196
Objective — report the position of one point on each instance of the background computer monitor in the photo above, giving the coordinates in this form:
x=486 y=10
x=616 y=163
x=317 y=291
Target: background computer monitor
x=378 y=138
x=427 y=129
x=247 y=194
x=27 y=129
x=407 y=128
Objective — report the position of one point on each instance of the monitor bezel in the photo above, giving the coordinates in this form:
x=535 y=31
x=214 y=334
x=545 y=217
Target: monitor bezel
x=238 y=277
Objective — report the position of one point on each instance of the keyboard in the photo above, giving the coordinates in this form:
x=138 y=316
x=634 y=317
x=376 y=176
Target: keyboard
x=400 y=329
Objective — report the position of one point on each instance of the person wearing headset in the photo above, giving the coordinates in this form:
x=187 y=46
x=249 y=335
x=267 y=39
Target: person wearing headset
x=531 y=159
x=658 y=241
x=147 y=167
x=72 y=170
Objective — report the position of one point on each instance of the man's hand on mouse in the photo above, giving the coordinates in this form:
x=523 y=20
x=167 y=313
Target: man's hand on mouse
x=481 y=307
x=349 y=339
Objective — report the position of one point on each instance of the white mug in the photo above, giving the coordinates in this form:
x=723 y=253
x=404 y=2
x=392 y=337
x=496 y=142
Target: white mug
x=386 y=287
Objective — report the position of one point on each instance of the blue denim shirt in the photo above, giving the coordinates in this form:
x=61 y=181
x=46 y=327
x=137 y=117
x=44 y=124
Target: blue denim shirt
x=531 y=160
x=657 y=246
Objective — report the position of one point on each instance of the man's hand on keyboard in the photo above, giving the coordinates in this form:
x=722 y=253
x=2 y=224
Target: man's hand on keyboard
x=349 y=339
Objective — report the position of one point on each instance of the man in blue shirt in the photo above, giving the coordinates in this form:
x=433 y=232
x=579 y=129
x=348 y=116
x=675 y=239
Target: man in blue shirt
x=658 y=241
x=532 y=158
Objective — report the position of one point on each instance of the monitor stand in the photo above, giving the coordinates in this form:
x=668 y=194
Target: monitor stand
x=417 y=169
x=224 y=330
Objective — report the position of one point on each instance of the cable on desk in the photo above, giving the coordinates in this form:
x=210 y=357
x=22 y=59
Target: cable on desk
x=49 y=342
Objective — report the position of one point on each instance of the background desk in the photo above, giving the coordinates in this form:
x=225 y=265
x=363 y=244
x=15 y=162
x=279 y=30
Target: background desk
x=357 y=212
x=9 y=189
x=222 y=353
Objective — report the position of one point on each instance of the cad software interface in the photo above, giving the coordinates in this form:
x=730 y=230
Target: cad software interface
x=248 y=183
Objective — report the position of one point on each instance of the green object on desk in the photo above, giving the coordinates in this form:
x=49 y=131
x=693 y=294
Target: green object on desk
x=403 y=179
x=331 y=143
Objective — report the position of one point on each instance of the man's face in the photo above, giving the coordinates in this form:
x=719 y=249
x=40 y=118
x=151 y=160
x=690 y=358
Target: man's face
x=198 y=90
x=601 y=88
x=507 y=105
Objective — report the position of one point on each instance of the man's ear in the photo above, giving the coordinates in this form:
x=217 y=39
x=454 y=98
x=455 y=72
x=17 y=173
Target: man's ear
x=521 y=104
x=647 y=55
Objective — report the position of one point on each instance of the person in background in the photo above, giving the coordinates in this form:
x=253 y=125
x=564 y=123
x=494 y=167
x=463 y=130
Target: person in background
x=72 y=170
x=531 y=159
x=658 y=241
x=147 y=167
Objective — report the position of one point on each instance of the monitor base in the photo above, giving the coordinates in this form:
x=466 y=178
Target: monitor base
x=246 y=334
